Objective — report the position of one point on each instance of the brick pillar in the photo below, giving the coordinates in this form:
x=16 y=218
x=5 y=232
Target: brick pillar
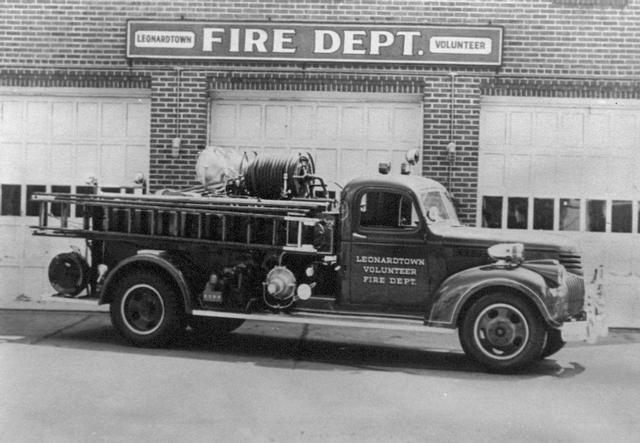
x=453 y=114
x=163 y=127
x=178 y=108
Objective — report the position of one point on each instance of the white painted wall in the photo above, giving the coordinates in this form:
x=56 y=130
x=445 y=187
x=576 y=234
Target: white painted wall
x=56 y=137
x=348 y=134
x=581 y=149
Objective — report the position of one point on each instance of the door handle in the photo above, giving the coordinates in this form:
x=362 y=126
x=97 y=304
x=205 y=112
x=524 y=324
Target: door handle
x=357 y=236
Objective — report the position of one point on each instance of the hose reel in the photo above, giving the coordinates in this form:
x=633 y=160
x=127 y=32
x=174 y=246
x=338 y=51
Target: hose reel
x=272 y=177
x=68 y=273
x=268 y=176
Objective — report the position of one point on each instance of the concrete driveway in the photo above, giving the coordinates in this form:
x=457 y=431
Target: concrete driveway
x=67 y=376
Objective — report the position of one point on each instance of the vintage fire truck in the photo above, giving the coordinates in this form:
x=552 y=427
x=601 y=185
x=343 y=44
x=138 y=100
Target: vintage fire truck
x=267 y=242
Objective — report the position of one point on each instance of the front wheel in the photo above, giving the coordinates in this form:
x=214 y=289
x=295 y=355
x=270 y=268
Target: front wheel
x=146 y=309
x=502 y=332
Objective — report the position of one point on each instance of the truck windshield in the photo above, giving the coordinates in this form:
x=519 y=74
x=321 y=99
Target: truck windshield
x=438 y=207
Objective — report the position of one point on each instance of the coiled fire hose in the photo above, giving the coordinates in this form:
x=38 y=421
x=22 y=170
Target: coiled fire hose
x=279 y=176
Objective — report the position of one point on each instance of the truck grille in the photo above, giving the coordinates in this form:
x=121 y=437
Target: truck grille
x=572 y=262
x=575 y=299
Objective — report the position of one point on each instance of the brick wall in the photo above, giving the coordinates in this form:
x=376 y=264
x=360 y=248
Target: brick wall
x=568 y=48
x=560 y=37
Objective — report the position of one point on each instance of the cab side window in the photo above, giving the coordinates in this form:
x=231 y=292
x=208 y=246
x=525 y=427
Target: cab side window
x=387 y=210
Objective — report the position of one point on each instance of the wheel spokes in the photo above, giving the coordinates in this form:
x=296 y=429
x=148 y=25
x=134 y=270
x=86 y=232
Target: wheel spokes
x=144 y=309
x=501 y=331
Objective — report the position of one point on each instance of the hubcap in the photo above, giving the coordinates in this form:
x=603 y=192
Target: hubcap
x=142 y=309
x=501 y=331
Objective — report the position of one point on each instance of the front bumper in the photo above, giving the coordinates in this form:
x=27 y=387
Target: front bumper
x=592 y=322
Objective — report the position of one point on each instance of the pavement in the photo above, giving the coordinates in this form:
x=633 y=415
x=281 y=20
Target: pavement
x=67 y=376
x=46 y=302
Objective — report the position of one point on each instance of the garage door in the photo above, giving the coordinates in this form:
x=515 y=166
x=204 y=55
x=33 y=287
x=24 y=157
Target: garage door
x=568 y=165
x=51 y=140
x=348 y=134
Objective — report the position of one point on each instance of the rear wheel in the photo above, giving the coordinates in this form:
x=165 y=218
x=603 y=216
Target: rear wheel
x=146 y=309
x=554 y=343
x=502 y=332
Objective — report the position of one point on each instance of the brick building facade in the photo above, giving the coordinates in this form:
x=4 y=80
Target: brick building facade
x=561 y=60
x=553 y=48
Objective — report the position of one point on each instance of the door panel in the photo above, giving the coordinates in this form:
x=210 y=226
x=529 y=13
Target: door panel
x=388 y=253
x=388 y=274
x=339 y=129
x=577 y=151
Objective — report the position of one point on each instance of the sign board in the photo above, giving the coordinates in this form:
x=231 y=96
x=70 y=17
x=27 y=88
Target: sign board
x=315 y=42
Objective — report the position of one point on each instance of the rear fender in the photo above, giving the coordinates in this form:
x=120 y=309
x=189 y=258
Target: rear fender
x=452 y=296
x=162 y=263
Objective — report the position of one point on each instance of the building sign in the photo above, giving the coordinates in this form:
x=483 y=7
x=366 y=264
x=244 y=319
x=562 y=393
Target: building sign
x=315 y=42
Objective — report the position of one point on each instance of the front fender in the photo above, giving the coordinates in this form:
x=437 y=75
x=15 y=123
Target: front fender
x=162 y=262
x=456 y=290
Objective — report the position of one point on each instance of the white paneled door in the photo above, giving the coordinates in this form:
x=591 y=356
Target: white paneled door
x=571 y=166
x=348 y=134
x=51 y=140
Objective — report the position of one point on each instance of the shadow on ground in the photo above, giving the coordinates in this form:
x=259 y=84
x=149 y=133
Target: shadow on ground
x=273 y=347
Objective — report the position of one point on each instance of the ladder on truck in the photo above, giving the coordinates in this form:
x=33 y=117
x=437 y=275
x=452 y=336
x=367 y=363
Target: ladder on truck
x=221 y=220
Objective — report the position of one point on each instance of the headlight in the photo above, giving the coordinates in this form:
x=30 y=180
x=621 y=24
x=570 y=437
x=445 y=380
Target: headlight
x=507 y=252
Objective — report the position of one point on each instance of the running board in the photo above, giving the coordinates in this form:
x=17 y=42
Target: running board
x=350 y=321
x=84 y=300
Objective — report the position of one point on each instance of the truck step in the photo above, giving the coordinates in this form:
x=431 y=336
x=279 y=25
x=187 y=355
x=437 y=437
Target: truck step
x=77 y=300
x=353 y=321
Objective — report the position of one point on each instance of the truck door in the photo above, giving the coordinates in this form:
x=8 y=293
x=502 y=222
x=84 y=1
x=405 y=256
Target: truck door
x=387 y=263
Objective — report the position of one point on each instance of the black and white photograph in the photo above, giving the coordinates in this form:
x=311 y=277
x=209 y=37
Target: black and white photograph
x=319 y=221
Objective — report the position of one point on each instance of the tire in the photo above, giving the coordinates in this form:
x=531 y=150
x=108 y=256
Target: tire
x=214 y=327
x=554 y=343
x=502 y=332
x=146 y=309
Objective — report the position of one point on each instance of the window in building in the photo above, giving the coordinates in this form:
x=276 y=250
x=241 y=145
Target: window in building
x=10 y=200
x=621 y=216
x=33 y=208
x=517 y=212
x=387 y=210
x=112 y=189
x=543 y=213
x=569 y=214
x=56 y=208
x=596 y=220
x=491 y=212
x=596 y=213
x=82 y=190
